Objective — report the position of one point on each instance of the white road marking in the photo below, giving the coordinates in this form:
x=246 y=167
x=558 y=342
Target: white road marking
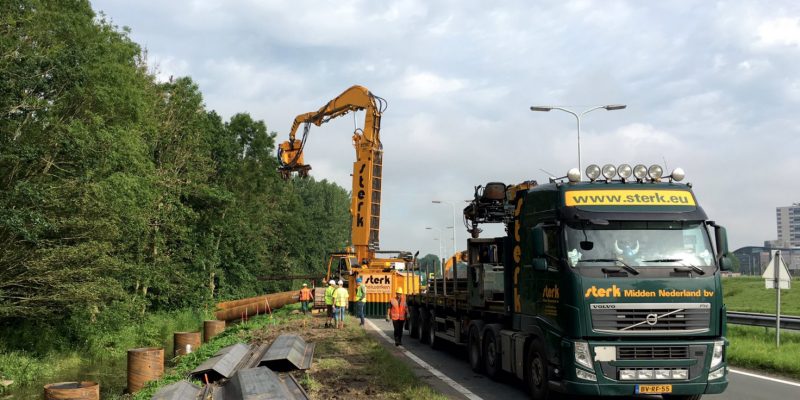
x=767 y=378
x=435 y=372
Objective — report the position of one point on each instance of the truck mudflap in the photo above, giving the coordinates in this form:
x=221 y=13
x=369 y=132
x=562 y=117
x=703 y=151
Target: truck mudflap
x=627 y=389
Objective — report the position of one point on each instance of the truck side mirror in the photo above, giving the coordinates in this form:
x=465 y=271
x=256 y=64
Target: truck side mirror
x=539 y=264
x=537 y=236
x=725 y=263
x=721 y=239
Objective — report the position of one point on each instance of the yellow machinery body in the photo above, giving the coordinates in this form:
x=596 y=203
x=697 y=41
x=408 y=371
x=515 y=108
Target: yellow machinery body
x=365 y=207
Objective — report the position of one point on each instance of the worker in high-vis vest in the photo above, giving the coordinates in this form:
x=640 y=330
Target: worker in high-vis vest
x=397 y=313
x=361 y=299
x=305 y=298
x=340 y=300
x=329 y=302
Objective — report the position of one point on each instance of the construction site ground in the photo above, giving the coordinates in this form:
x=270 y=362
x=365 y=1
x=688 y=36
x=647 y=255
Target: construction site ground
x=353 y=363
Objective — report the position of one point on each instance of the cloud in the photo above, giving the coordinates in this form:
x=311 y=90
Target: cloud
x=424 y=84
x=783 y=31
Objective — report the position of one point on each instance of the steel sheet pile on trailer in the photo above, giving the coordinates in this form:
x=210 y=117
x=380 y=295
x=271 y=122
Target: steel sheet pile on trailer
x=243 y=372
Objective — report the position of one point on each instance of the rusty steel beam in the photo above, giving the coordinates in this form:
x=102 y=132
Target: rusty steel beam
x=255 y=305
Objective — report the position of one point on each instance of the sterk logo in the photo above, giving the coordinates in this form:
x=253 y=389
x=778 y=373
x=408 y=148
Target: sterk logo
x=612 y=291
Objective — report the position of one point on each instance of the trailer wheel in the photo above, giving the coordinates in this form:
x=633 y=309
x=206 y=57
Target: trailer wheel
x=492 y=353
x=433 y=341
x=425 y=325
x=474 y=346
x=413 y=322
x=536 y=372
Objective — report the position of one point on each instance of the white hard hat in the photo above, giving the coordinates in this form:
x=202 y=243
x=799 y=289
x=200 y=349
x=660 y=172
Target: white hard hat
x=305 y=284
x=340 y=282
x=332 y=282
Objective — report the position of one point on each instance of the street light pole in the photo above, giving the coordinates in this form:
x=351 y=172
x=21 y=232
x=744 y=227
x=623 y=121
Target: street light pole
x=608 y=107
x=439 y=239
x=453 y=207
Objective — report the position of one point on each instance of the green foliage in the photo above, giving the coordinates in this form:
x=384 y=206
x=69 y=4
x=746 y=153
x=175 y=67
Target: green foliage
x=430 y=262
x=748 y=294
x=122 y=196
x=754 y=347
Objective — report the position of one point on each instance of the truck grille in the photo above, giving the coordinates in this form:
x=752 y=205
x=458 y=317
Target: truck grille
x=621 y=318
x=652 y=352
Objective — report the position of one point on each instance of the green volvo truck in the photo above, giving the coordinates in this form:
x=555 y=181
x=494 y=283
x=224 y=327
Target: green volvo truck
x=608 y=286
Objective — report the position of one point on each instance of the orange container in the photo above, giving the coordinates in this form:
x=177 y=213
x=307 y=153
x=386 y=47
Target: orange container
x=185 y=343
x=144 y=365
x=86 y=390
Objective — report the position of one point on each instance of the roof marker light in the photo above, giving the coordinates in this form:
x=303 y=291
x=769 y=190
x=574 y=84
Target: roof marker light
x=677 y=174
x=640 y=172
x=609 y=171
x=574 y=175
x=624 y=171
x=593 y=172
x=655 y=172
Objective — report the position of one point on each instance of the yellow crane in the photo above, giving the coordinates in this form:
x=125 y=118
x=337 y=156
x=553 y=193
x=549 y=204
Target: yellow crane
x=382 y=275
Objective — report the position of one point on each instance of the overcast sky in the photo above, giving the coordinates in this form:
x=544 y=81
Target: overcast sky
x=712 y=87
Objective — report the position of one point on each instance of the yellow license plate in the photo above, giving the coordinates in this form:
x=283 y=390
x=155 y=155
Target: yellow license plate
x=653 y=389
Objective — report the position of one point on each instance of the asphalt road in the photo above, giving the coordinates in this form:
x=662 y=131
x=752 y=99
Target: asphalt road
x=452 y=363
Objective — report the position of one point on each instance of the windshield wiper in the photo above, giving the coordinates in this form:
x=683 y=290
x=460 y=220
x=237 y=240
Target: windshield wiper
x=614 y=260
x=684 y=264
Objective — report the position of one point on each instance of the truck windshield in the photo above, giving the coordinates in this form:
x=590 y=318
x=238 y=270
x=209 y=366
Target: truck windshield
x=639 y=244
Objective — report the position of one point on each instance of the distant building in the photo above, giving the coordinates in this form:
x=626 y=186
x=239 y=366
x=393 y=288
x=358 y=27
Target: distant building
x=753 y=259
x=788 y=219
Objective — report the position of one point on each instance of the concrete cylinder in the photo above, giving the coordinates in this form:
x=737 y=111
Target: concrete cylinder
x=212 y=328
x=185 y=342
x=144 y=365
x=86 y=390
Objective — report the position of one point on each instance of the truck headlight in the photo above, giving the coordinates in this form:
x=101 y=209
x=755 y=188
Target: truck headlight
x=587 y=376
x=716 y=357
x=582 y=355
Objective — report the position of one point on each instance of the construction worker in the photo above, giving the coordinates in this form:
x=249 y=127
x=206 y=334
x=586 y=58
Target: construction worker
x=305 y=297
x=329 y=302
x=397 y=313
x=340 y=299
x=361 y=299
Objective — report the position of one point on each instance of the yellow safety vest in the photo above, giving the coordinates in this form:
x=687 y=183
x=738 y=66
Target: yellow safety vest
x=329 y=295
x=340 y=297
x=361 y=293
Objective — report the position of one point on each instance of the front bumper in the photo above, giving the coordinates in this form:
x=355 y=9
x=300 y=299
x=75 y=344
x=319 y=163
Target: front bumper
x=693 y=356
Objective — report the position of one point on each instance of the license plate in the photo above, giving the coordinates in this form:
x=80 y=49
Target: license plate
x=653 y=389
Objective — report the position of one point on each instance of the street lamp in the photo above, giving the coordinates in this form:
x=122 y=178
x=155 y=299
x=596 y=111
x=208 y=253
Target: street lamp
x=608 y=107
x=439 y=239
x=453 y=206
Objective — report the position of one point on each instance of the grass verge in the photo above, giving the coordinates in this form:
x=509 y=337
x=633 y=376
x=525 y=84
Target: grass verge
x=754 y=348
x=747 y=294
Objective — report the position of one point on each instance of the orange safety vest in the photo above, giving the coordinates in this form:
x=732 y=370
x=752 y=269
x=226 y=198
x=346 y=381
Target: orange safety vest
x=397 y=310
x=305 y=294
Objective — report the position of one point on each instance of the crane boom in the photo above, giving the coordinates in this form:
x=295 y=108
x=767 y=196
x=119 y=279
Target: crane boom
x=365 y=207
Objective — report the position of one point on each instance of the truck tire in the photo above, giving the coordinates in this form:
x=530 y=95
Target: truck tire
x=434 y=341
x=413 y=322
x=492 y=352
x=474 y=346
x=682 y=397
x=425 y=325
x=536 y=371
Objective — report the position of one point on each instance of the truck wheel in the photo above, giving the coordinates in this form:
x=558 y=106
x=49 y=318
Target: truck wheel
x=682 y=397
x=433 y=341
x=536 y=372
x=474 y=346
x=492 y=353
x=413 y=322
x=425 y=325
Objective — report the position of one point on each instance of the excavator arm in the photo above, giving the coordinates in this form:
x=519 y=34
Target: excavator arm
x=367 y=169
